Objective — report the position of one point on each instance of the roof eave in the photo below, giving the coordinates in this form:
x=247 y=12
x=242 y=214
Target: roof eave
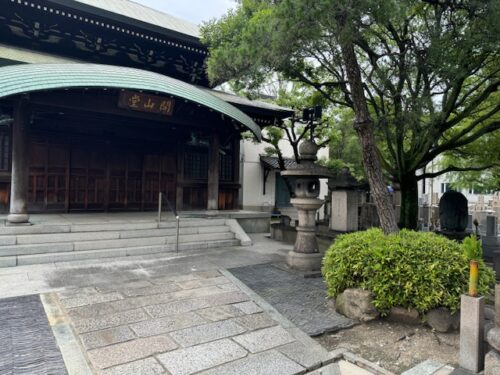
x=129 y=21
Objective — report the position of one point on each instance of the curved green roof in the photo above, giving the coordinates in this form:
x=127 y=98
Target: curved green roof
x=25 y=78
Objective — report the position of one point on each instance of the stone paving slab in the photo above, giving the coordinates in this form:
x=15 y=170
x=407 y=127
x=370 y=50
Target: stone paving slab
x=207 y=332
x=248 y=307
x=217 y=313
x=264 y=339
x=196 y=322
x=27 y=344
x=266 y=363
x=130 y=351
x=192 y=284
x=190 y=360
x=331 y=369
x=150 y=290
x=108 y=321
x=148 y=366
x=302 y=354
x=302 y=300
x=93 y=340
x=256 y=321
x=83 y=300
x=152 y=327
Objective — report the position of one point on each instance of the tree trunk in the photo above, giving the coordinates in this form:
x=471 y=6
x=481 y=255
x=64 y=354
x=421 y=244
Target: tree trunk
x=364 y=129
x=409 y=202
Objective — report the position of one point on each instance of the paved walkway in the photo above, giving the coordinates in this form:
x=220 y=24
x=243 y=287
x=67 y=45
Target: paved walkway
x=169 y=315
x=199 y=322
x=301 y=300
x=25 y=280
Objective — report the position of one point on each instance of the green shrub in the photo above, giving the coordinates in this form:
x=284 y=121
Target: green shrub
x=409 y=269
x=472 y=248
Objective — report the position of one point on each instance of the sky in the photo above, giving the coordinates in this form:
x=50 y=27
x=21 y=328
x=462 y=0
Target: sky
x=195 y=11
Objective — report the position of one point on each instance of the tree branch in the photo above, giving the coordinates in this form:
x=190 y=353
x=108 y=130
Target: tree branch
x=465 y=141
x=453 y=168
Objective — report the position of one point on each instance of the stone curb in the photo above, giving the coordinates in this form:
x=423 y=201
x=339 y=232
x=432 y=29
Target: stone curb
x=365 y=364
x=68 y=343
x=239 y=232
x=298 y=334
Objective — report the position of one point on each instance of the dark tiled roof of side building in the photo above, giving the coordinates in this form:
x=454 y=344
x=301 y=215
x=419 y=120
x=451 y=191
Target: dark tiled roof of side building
x=271 y=162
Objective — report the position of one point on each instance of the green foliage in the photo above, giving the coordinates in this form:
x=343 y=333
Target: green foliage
x=409 y=269
x=337 y=165
x=472 y=248
x=485 y=151
x=429 y=69
x=345 y=150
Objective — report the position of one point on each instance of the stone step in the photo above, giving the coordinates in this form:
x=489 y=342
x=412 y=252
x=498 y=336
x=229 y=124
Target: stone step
x=57 y=247
x=188 y=222
x=152 y=241
x=36 y=249
x=30 y=239
x=21 y=260
x=106 y=235
x=172 y=231
x=33 y=229
x=106 y=226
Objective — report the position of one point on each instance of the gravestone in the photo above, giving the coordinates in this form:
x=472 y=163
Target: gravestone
x=454 y=215
x=491 y=243
x=453 y=212
x=491 y=226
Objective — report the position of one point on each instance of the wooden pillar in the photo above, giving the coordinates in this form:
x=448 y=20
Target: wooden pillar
x=213 y=173
x=237 y=170
x=20 y=163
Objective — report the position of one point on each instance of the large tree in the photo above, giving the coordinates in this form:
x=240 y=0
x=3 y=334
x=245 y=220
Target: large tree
x=412 y=71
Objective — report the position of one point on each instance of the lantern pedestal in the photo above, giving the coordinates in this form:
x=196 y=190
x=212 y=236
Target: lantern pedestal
x=305 y=256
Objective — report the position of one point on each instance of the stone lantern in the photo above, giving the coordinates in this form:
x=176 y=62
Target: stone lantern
x=306 y=256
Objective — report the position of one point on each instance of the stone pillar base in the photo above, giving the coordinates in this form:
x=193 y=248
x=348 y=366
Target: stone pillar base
x=306 y=262
x=18 y=219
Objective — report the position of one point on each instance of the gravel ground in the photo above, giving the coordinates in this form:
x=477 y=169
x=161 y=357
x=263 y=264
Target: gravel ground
x=394 y=346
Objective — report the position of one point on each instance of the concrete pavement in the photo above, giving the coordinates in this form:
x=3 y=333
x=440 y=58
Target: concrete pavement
x=175 y=314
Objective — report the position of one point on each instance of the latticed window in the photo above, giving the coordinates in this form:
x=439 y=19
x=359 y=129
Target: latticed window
x=226 y=161
x=226 y=172
x=196 y=164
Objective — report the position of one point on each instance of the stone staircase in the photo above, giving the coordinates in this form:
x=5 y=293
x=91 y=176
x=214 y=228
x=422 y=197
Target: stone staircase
x=48 y=243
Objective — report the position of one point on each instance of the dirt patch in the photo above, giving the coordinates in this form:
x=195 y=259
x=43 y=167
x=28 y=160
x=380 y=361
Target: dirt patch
x=394 y=346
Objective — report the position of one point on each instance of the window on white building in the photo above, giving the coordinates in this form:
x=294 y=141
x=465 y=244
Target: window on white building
x=445 y=187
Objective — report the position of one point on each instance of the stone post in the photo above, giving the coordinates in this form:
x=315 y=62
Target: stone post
x=213 y=173
x=18 y=213
x=491 y=226
x=492 y=360
x=344 y=210
x=472 y=333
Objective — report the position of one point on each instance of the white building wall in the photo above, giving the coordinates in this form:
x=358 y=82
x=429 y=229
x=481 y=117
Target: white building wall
x=438 y=186
x=253 y=175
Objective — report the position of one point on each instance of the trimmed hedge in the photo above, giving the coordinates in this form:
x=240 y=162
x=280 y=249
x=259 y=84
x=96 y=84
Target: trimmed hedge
x=408 y=269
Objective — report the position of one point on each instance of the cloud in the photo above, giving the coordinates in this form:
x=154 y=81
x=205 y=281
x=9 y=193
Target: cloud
x=195 y=11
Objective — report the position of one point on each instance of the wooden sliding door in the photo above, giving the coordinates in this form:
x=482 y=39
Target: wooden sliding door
x=98 y=176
